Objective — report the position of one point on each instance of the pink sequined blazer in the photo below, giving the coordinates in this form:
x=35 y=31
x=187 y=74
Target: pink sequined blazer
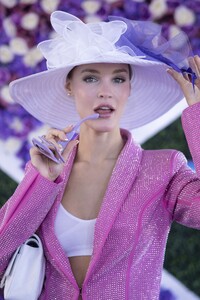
x=147 y=191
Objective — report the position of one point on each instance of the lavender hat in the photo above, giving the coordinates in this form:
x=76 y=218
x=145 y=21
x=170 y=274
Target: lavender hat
x=153 y=91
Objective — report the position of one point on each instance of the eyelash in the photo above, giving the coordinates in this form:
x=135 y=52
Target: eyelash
x=119 y=79
x=90 y=79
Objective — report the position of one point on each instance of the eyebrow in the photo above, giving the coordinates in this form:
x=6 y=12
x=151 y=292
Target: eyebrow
x=97 y=72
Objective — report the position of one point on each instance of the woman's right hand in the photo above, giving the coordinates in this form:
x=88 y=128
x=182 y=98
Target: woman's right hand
x=48 y=168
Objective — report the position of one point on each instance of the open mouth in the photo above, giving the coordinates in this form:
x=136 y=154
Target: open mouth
x=104 y=110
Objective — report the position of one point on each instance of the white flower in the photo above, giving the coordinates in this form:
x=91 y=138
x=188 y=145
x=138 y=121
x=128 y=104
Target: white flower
x=5 y=94
x=91 y=6
x=12 y=145
x=158 y=8
x=184 y=16
x=8 y=3
x=18 y=46
x=38 y=132
x=28 y=1
x=32 y=57
x=30 y=21
x=111 y=1
x=173 y=31
x=9 y=27
x=17 y=124
x=49 y=6
x=6 y=54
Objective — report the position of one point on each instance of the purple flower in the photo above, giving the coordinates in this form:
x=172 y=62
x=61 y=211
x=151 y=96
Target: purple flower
x=166 y=294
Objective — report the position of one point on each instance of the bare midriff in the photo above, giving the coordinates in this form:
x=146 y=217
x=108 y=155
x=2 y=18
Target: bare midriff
x=79 y=266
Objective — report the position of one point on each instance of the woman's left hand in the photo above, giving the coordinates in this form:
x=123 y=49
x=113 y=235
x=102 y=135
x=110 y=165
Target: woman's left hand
x=191 y=93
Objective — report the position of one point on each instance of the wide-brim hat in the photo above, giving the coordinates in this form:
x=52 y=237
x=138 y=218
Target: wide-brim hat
x=43 y=95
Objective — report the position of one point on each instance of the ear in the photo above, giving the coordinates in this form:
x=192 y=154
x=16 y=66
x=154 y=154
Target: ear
x=130 y=88
x=68 y=87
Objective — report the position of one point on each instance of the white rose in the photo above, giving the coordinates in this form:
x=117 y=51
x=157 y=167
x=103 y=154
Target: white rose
x=6 y=54
x=49 y=6
x=9 y=27
x=184 y=16
x=5 y=95
x=18 y=46
x=91 y=6
x=32 y=57
x=9 y=3
x=30 y=21
x=158 y=8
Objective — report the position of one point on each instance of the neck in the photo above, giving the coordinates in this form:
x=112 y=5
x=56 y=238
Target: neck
x=97 y=147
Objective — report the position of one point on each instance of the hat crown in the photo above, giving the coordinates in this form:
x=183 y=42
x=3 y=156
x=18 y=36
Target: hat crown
x=78 y=42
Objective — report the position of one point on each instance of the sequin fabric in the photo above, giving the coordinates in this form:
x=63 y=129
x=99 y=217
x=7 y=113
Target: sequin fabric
x=148 y=190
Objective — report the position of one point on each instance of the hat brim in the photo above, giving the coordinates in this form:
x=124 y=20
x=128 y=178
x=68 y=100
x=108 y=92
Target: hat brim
x=153 y=93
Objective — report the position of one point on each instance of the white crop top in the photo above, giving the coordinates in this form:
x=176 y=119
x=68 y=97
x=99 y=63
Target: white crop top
x=75 y=235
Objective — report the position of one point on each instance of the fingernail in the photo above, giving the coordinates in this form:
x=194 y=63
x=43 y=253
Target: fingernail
x=60 y=148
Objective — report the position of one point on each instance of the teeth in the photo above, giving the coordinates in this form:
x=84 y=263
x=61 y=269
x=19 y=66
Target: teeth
x=104 y=108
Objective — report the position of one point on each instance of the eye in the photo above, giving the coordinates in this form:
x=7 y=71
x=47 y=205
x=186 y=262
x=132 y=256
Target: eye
x=119 y=79
x=90 y=79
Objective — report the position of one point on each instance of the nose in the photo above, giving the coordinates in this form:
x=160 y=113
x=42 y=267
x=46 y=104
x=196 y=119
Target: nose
x=104 y=91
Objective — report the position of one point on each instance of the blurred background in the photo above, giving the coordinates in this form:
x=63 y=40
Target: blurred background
x=24 y=23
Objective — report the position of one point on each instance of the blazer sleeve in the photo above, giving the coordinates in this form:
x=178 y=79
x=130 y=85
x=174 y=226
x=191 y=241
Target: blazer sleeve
x=183 y=192
x=23 y=213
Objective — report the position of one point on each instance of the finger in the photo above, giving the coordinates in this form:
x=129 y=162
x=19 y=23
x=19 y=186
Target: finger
x=68 y=128
x=55 y=134
x=197 y=62
x=176 y=75
x=186 y=76
x=35 y=156
x=33 y=150
x=69 y=148
x=194 y=65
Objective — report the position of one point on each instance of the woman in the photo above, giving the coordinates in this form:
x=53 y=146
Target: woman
x=104 y=215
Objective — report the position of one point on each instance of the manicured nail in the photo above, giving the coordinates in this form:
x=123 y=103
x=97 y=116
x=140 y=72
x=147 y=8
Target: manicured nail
x=60 y=148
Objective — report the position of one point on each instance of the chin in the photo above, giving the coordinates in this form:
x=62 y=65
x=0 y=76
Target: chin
x=106 y=128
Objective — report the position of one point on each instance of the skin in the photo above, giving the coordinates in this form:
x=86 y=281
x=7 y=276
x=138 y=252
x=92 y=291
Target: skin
x=100 y=141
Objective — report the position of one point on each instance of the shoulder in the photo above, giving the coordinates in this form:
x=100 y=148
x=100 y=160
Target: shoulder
x=169 y=160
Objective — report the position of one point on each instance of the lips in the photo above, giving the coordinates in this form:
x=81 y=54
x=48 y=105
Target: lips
x=104 y=110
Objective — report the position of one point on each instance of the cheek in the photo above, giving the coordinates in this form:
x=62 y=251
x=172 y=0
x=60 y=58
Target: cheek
x=125 y=93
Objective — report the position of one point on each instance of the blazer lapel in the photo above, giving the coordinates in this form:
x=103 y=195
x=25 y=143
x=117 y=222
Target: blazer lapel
x=120 y=183
x=55 y=251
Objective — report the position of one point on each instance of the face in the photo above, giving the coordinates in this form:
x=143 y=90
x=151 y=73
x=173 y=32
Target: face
x=100 y=88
